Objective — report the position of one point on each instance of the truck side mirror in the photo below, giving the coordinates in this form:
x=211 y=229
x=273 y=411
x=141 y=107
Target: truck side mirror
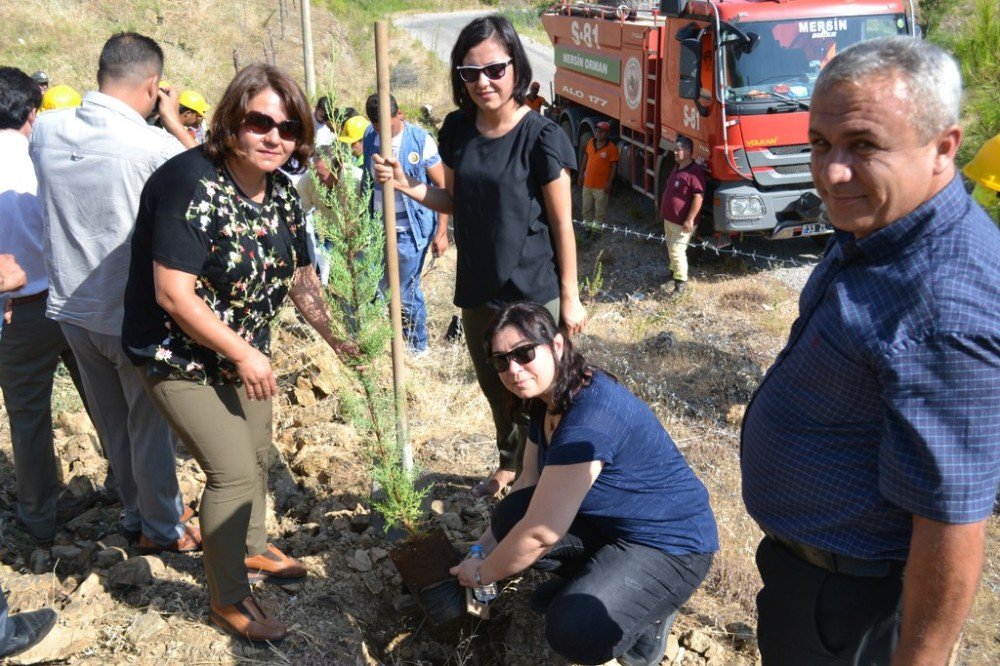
x=690 y=69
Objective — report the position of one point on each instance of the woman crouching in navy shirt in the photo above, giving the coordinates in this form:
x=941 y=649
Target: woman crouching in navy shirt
x=606 y=502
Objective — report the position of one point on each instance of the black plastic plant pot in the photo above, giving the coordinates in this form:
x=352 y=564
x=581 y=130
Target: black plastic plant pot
x=423 y=561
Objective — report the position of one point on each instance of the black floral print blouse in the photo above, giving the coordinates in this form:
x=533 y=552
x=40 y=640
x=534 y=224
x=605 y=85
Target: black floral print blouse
x=193 y=218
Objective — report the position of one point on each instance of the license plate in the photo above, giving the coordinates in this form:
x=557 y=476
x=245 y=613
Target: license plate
x=813 y=229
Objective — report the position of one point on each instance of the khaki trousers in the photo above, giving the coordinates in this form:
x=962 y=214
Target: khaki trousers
x=677 y=244
x=230 y=437
x=512 y=429
x=594 y=202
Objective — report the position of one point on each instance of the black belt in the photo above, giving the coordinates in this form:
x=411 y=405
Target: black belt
x=21 y=300
x=841 y=564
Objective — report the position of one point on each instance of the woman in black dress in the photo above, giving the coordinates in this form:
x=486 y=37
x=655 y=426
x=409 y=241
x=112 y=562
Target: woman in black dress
x=508 y=186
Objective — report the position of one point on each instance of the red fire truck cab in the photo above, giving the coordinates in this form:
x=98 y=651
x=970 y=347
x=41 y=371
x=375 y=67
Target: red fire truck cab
x=735 y=76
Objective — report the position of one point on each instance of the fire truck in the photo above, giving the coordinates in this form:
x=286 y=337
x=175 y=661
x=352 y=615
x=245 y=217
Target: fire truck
x=735 y=76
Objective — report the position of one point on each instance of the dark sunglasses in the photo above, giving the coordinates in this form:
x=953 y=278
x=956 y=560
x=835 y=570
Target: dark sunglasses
x=523 y=355
x=493 y=71
x=261 y=123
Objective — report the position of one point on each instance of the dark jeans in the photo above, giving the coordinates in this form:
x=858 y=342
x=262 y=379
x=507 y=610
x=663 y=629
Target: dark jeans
x=808 y=615
x=615 y=589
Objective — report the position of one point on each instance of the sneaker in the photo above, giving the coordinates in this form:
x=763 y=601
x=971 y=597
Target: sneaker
x=651 y=645
x=668 y=286
x=679 y=288
x=27 y=630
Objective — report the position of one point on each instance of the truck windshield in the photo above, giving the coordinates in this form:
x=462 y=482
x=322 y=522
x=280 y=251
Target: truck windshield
x=786 y=56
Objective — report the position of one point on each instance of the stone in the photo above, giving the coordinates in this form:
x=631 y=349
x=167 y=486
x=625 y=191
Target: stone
x=108 y=557
x=304 y=396
x=75 y=423
x=377 y=553
x=698 y=641
x=90 y=586
x=91 y=515
x=742 y=635
x=360 y=522
x=372 y=582
x=65 y=553
x=59 y=645
x=39 y=561
x=437 y=507
x=116 y=540
x=145 y=627
x=136 y=572
x=673 y=647
x=451 y=520
x=81 y=486
x=359 y=561
x=340 y=523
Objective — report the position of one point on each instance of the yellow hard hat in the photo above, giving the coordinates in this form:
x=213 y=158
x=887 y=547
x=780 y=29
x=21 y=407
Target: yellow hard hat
x=985 y=166
x=194 y=101
x=354 y=129
x=60 y=97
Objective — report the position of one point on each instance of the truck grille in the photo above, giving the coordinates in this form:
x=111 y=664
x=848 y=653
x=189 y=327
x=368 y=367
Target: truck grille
x=797 y=149
x=791 y=169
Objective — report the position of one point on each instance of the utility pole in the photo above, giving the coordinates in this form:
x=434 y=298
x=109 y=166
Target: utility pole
x=307 y=50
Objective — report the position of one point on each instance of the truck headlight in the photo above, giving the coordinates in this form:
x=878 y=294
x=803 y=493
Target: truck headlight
x=750 y=207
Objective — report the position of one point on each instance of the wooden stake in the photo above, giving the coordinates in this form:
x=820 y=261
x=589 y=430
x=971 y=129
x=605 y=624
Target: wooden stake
x=391 y=253
x=307 y=50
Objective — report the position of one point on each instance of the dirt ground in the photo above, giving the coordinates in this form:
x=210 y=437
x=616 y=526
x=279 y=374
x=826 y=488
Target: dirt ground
x=695 y=360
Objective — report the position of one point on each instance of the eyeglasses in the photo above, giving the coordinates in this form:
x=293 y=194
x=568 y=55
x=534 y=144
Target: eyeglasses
x=261 y=123
x=523 y=355
x=493 y=71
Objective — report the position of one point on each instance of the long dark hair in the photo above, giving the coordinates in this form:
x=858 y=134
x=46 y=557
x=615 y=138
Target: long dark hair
x=536 y=324
x=476 y=32
x=229 y=113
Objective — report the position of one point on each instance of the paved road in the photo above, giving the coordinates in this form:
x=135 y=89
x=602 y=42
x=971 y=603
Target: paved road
x=438 y=33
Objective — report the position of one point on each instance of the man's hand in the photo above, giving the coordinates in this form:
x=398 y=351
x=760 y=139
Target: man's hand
x=170 y=115
x=12 y=276
x=942 y=574
x=688 y=226
x=389 y=169
x=573 y=316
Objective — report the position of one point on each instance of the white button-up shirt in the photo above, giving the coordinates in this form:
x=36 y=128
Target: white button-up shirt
x=21 y=212
x=92 y=162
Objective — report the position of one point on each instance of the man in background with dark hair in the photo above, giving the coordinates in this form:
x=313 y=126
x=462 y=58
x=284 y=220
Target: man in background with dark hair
x=32 y=344
x=92 y=162
x=680 y=207
x=20 y=631
x=417 y=227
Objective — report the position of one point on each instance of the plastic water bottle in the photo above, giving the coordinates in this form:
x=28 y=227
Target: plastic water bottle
x=485 y=593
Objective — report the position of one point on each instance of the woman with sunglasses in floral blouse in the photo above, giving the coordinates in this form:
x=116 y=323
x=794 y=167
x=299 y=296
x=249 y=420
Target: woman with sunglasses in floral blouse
x=606 y=502
x=219 y=242
x=508 y=187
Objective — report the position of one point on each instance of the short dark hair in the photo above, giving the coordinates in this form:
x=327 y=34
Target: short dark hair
x=476 y=32
x=371 y=107
x=684 y=141
x=247 y=84
x=129 y=55
x=19 y=96
x=537 y=325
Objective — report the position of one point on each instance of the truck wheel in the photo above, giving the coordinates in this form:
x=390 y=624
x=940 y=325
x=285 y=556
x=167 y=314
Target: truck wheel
x=567 y=129
x=581 y=149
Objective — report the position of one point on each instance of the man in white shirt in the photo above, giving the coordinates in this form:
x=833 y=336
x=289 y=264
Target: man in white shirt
x=31 y=345
x=92 y=162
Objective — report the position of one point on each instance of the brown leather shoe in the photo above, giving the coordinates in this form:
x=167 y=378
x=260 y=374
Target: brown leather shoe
x=246 y=620
x=190 y=541
x=273 y=564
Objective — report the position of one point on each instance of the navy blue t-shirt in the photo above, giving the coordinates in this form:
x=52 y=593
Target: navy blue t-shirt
x=646 y=493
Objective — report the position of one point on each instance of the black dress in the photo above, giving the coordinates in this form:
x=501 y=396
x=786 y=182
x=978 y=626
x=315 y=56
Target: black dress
x=505 y=250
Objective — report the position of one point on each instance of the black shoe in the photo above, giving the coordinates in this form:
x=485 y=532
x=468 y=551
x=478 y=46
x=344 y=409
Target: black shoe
x=543 y=595
x=28 y=630
x=651 y=645
x=679 y=288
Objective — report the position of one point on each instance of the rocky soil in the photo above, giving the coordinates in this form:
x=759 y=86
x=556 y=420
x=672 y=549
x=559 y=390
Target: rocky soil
x=696 y=361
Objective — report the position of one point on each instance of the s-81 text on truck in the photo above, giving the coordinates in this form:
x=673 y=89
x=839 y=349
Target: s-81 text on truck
x=735 y=76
